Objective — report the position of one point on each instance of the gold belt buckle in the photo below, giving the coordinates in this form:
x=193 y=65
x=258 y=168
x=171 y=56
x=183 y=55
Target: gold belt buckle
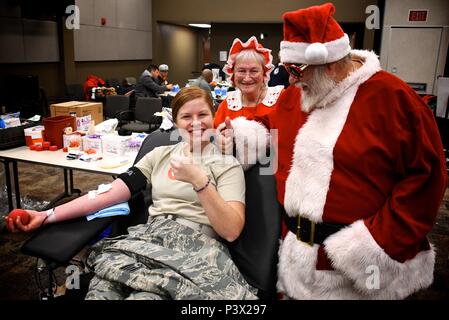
x=312 y=232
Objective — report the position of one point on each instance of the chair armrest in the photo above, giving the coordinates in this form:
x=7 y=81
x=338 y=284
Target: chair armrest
x=120 y=115
x=129 y=93
x=123 y=116
x=60 y=242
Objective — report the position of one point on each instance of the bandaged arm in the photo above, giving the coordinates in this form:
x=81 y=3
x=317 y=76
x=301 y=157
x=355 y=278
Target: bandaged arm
x=123 y=187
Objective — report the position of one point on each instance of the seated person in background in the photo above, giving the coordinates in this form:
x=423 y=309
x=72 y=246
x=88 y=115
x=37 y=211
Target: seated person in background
x=163 y=75
x=198 y=197
x=221 y=73
x=147 y=85
x=204 y=81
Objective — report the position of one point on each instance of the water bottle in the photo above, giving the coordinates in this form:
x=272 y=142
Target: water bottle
x=217 y=91
x=224 y=91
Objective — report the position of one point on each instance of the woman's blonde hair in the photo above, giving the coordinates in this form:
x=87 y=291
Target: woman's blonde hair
x=250 y=54
x=188 y=94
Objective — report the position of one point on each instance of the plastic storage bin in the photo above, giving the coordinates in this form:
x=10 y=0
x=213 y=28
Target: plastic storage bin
x=54 y=128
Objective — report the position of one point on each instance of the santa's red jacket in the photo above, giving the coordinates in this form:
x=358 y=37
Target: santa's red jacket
x=370 y=156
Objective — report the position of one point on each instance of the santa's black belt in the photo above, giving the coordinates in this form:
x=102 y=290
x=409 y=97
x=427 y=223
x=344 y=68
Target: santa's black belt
x=310 y=232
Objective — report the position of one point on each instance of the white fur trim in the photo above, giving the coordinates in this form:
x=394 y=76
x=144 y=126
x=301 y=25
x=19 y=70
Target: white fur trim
x=299 y=279
x=234 y=98
x=353 y=251
x=308 y=181
x=371 y=65
x=298 y=52
x=316 y=52
x=251 y=139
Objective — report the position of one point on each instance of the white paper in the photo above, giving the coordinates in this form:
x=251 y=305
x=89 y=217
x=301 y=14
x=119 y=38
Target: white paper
x=442 y=96
x=216 y=75
x=223 y=55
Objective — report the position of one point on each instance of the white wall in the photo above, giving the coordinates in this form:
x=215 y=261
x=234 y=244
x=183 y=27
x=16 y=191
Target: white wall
x=127 y=34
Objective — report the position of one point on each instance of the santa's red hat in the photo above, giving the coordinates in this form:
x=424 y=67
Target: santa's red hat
x=312 y=36
x=251 y=44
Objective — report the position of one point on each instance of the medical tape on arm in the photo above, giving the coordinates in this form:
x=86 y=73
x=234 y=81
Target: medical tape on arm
x=102 y=188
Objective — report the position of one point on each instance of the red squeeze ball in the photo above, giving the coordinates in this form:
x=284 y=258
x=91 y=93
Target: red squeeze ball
x=24 y=216
x=39 y=148
x=53 y=148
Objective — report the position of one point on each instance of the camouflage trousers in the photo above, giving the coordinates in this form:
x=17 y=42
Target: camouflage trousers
x=165 y=260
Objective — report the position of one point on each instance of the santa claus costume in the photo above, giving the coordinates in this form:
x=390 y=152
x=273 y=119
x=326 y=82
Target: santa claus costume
x=362 y=174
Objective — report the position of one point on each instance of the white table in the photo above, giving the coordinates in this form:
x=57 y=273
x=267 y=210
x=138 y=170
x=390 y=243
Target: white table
x=53 y=159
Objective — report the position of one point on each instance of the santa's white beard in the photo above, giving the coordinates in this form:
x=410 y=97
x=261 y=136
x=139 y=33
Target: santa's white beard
x=316 y=89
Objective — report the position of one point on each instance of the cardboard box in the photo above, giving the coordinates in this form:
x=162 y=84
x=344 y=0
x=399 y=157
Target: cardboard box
x=80 y=108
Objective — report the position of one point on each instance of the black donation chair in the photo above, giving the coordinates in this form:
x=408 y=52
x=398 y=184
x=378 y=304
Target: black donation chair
x=254 y=252
x=143 y=115
x=115 y=104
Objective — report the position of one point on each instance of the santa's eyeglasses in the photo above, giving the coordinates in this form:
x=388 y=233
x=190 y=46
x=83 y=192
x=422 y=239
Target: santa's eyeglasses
x=296 y=70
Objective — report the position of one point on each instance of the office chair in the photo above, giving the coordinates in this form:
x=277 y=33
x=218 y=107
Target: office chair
x=75 y=92
x=144 y=113
x=254 y=252
x=114 y=105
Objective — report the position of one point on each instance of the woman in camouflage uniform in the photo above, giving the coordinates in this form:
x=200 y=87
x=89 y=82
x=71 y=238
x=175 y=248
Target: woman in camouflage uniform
x=198 y=199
